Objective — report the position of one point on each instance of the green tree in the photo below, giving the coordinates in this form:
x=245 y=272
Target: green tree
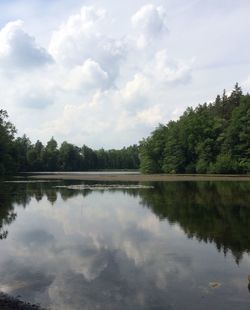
x=34 y=157
x=7 y=132
x=151 y=151
x=50 y=156
x=70 y=158
x=212 y=137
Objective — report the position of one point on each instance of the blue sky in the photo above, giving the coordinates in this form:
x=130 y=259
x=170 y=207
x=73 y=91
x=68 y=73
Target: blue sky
x=105 y=73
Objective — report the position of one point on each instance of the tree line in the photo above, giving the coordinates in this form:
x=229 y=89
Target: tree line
x=211 y=138
x=20 y=155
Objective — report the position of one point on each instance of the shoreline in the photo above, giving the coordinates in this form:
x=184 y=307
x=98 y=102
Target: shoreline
x=138 y=177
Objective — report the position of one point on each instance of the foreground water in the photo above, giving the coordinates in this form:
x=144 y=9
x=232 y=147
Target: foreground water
x=168 y=245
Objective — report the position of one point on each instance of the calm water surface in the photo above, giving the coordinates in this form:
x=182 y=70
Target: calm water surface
x=133 y=248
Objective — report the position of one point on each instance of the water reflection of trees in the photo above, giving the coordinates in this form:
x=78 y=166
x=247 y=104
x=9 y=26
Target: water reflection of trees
x=213 y=212
x=21 y=193
x=12 y=194
x=7 y=214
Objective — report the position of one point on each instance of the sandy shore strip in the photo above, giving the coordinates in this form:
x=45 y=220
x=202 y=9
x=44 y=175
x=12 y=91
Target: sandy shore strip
x=141 y=177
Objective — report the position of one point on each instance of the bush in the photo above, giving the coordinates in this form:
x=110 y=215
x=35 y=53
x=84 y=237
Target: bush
x=201 y=166
x=224 y=164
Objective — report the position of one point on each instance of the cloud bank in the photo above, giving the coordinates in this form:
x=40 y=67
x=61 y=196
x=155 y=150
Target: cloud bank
x=102 y=81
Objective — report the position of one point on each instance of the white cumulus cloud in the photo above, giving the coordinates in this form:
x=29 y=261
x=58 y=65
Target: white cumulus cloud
x=19 y=50
x=100 y=88
x=150 y=22
x=169 y=70
x=81 y=38
x=88 y=76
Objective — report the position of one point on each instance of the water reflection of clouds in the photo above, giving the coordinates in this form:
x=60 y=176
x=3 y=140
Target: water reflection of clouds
x=25 y=278
x=35 y=238
x=97 y=246
x=102 y=251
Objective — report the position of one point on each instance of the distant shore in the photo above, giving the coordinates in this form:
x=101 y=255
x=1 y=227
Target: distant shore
x=139 y=177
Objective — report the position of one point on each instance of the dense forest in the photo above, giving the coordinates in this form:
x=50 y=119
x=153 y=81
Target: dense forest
x=20 y=155
x=211 y=138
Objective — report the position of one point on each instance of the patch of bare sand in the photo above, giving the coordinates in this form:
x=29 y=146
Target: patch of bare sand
x=141 y=177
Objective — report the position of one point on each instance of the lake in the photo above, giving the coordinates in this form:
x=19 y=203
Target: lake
x=105 y=245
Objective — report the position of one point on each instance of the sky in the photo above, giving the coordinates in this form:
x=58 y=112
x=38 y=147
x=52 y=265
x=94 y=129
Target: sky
x=105 y=73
